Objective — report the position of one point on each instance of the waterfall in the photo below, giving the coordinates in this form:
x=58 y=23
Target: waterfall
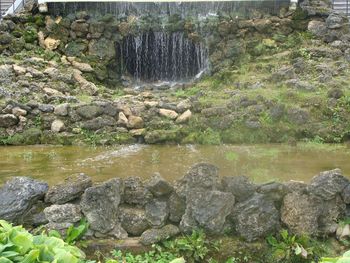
x=153 y=56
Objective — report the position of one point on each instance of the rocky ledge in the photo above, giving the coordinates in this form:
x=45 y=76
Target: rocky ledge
x=155 y=210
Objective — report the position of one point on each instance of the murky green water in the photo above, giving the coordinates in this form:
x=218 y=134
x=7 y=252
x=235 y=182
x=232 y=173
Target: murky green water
x=262 y=163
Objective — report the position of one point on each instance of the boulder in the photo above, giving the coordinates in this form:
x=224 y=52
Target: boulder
x=17 y=197
x=328 y=184
x=133 y=220
x=135 y=122
x=177 y=207
x=184 y=117
x=57 y=126
x=158 y=186
x=135 y=193
x=8 y=120
x=332 y=211
x=89 y=111
x=83 y=67
x=62 y=109
x=51 y=43
x=67 y=213
x=155 y=235
x=72 y=188
x=157 y=212
x=168 y=113
x=300 y=213
x=273 y=191
x=240 y=186
x=122 y=120
x=256 y=217
x=207 y=210
x=346 y=195
x=17 y=111
x=336 y=21
x=318 y=28
x=100 y=205
x=202 y=176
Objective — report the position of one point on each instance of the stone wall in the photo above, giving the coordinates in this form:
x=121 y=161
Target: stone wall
x=156 y=210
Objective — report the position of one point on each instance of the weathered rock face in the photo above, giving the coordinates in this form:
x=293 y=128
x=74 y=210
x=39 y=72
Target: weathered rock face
x=202 y=176
x=239 y=186
x=72 y=188
x=157 y=212
x=256 y=217
x=328 y=184
x=156 y=235
x=67 y=213
x=100 y=205
x=133 y=220
x=8 y=120
x=135 y=193
x=207 y=210
x=158 y=186
x=18 y=195
x=300 y=213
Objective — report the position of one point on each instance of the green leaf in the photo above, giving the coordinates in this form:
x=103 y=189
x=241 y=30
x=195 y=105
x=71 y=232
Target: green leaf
x=32 y=256
x=5 y=260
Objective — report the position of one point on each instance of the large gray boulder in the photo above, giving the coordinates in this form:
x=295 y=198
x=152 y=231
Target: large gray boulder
x=157 y=212
x=240 y=186
x=155 y=235
x=67 y=213
x=256 y=217
x=133 y=220
x=300 y=213
x=202 y=176
x=177 y=207
x=100 y=205
x=8 y=120
x=207 y=210
x=72 y=188
x=328 y=184
x=135 y=193
x=158 y=186
x=17 y=197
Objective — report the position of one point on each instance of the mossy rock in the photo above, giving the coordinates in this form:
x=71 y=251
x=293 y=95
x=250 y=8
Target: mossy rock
x=75 y=48
x=28 y=137
x=30 y=34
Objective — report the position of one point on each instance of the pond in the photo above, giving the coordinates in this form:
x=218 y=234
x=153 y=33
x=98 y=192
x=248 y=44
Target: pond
x=262 y=163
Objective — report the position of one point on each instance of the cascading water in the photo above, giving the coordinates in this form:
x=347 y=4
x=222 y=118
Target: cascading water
x=154 y=56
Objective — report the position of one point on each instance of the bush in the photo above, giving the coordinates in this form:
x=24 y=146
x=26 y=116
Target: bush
x=18 y=245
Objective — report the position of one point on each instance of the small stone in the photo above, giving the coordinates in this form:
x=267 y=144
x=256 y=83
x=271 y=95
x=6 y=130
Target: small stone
x=183 y=106
x=156 y=235
x=47 y=108
x=168 y=113
x=122 y=119
x=19 y=70
x=52 y=92
x=67 y=213
x=8 y=120
x=19 y=112
x=151 y=104
x=184 y=117
x=83 y=67
x=62 y=109
x=137 y=132
x=135 y=122
x=57 y=126
x=51 y=43
x=70 y=189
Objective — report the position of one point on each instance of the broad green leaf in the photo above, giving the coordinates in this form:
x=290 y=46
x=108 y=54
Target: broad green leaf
x=32 y=256
x=23 y=241
x=5 y=260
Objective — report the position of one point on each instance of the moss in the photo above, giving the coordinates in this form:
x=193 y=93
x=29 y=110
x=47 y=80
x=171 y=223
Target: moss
x=28 y=137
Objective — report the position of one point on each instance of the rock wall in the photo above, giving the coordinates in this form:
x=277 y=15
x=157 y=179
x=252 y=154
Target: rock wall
x=156 y=210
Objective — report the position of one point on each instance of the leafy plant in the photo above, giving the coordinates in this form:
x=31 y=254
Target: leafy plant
x=73 y=233
x=291 y=248
x=345 y=258
x=18 y=245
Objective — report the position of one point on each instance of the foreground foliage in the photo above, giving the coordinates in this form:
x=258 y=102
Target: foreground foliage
x=18 y=245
